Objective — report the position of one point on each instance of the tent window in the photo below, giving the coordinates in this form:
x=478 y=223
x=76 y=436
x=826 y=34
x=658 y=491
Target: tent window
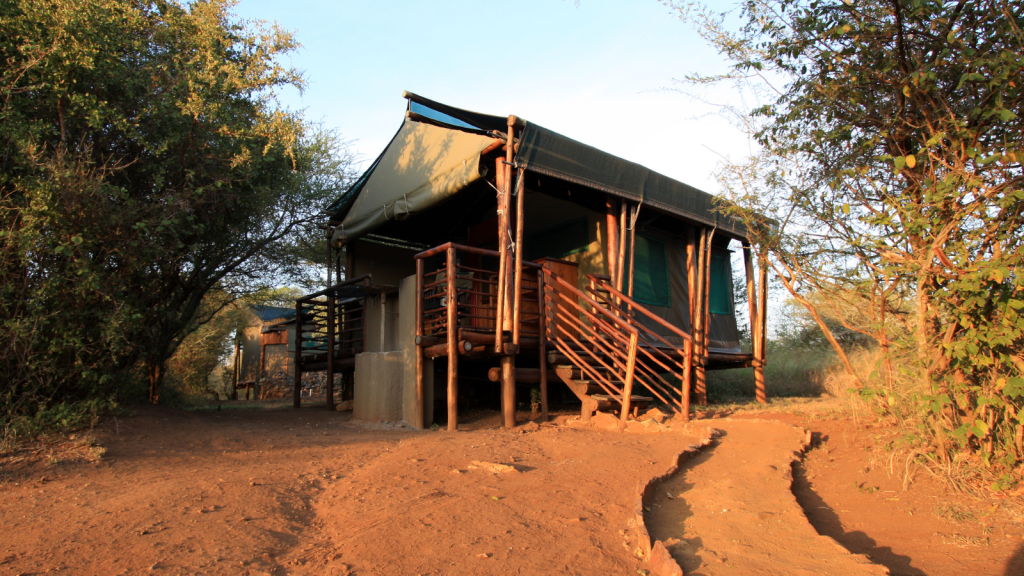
x=720 y=294
x=650 y=273
x=559 y=241
x=439 y=116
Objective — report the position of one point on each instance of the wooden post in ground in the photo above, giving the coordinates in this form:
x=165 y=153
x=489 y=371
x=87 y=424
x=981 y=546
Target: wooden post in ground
x=627 y=385
x=508 y=361
x=508 y=284
x=762 y=296
x=453 y=351
x=687 y=364
x=297 y=380
x=419 y=419
x=329 y=388
x=752 y=310
x=542 y=329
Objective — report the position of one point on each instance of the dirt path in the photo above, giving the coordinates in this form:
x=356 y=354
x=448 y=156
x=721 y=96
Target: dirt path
x=268 y=491
x=731 y=511
x=311 y=492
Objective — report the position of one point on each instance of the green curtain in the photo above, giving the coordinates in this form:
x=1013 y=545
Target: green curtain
x=650 y=273
x=720 y=293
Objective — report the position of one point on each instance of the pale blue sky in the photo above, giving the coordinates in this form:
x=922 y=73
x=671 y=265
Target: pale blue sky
x=595 y=73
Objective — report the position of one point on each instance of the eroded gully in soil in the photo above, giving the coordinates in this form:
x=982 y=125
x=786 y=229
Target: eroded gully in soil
x=730 y=510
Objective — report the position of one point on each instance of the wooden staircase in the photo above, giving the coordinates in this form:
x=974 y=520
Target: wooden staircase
x=593 y=395
x=609 y=359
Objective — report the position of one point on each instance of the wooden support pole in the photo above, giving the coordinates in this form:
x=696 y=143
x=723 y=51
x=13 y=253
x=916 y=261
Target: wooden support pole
x=509 y=286
x=755 y=331
x=691 y=276
x=297 y=380
x=687 y=365
x=520 y=194
x=700 y=383
x=508 y=391
x=706 y=318
x=633 y=245
x=542 y=330
x=329 y=388
x=612 y=225
x=453 y=353
x=420 y=415
x=620 y=262
x=263 y=357
x=762 y=296
x=508 y=362
x=748 y=265
x=237 y=368
x=692 y=296
x=501 y=178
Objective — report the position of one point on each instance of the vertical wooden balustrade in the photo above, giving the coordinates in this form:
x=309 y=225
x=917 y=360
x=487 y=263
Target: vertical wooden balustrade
x=658 y=361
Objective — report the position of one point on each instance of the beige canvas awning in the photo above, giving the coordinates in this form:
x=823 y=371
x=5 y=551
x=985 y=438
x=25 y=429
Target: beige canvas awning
x=423 y=165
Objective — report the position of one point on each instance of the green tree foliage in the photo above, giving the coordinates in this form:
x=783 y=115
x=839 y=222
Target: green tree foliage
x=144 y=162
x=892 y=144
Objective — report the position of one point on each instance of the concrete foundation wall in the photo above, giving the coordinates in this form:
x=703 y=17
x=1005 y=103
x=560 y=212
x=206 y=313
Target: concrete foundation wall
x=377 y=394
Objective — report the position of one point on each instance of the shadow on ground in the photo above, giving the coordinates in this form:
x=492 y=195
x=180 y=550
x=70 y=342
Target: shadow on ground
x=827 y=523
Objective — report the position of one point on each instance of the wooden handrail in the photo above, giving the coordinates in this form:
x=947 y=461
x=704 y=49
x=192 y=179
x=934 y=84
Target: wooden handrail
x=468 y=249
x=622 y=324
x=633 y=305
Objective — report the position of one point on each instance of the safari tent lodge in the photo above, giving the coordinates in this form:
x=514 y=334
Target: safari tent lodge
x=487 y=251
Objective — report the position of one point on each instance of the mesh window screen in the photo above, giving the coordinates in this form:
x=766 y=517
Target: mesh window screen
x=650 y=273
x=720 y=293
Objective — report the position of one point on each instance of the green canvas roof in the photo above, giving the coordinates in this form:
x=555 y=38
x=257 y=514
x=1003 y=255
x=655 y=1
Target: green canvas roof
x=447 y=159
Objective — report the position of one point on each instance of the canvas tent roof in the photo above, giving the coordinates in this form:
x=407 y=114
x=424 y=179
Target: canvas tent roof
x=436 y=154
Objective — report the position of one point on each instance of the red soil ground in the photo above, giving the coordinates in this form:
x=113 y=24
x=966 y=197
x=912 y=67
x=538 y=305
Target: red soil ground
x=277 y=491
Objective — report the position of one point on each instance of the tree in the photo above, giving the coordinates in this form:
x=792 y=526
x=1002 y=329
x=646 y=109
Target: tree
x=144 y=161
x=891 y=136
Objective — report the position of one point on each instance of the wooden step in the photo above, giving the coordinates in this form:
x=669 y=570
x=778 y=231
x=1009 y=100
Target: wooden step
x=633 y=400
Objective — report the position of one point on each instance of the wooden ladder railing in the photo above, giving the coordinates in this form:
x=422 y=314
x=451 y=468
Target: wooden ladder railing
x=604 y=348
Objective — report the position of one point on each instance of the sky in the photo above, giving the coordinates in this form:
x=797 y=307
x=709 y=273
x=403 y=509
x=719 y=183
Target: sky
x=601 y=72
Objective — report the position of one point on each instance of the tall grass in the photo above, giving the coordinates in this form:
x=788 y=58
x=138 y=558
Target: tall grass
x=791 y=370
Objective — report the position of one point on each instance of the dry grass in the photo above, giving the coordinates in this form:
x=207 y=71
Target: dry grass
x=53 y=450
x=954 y=513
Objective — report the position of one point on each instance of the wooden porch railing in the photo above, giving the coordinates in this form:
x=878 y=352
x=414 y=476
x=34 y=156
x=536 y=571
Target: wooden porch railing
x=326 y=329
x=457 y=311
